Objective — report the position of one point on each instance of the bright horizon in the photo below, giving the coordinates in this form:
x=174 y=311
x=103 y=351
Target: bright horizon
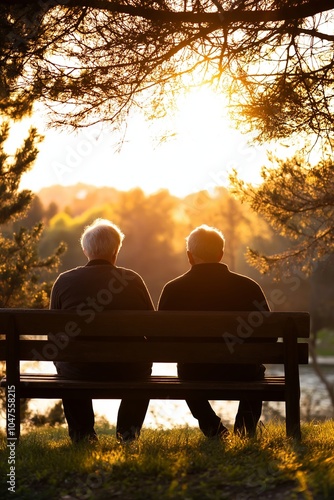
x=198 y=156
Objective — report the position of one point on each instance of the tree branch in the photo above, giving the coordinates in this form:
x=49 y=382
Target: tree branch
x=221 y=18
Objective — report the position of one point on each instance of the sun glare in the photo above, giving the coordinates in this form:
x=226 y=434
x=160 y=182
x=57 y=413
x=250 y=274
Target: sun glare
x=200 y=152
x=200 y=111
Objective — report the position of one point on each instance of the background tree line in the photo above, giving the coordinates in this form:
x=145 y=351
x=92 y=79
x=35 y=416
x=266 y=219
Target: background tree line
x=156 y=225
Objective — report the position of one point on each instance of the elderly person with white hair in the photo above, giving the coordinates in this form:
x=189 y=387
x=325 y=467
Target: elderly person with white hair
x=97 y=286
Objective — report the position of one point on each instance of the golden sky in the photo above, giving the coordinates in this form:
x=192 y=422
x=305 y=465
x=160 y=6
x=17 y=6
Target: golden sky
x=199 y=155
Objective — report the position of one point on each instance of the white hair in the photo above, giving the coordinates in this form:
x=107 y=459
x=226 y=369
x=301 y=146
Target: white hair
x=101 y=239
x=206 y=243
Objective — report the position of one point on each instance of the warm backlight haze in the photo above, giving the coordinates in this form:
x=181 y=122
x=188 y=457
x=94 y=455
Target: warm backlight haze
x=198 y=154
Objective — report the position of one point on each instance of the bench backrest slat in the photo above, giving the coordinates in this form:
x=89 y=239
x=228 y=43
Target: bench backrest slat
x=158 y=323
x=164 y=336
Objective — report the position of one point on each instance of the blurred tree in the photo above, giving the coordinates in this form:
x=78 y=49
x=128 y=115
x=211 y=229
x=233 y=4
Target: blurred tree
x=35 y=213
x=149 y=227
x=156 y=227
x=149 y=222
x=54 y=416
x=237 y=222
x=65 y=228
x=51 y=210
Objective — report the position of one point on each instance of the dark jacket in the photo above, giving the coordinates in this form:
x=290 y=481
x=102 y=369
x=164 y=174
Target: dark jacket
x=212 y=287
x=99 y=286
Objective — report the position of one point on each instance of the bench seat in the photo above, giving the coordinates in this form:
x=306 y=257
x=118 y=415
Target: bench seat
x=51 y=386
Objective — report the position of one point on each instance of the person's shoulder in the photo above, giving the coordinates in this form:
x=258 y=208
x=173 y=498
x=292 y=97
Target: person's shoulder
x=126 y=274
x=69 y=273
x=243 y=278
x=178 y=280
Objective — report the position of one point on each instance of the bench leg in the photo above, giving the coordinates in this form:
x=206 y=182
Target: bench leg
x=292 y=417
x=292 y=385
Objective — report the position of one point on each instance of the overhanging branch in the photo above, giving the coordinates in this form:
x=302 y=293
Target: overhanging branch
x=221 y=18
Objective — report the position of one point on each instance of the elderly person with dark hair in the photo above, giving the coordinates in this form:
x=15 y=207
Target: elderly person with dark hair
x=209 y=285
x=97 y=286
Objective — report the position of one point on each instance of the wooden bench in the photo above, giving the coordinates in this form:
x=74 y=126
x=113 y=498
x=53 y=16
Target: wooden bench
x=161 y=337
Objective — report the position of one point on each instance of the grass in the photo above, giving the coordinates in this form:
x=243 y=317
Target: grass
x=173 y=464
x=325 y=342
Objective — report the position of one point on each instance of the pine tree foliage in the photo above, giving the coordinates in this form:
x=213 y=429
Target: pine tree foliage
x=14 y=202
x=297 y=200
x=21 y=268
